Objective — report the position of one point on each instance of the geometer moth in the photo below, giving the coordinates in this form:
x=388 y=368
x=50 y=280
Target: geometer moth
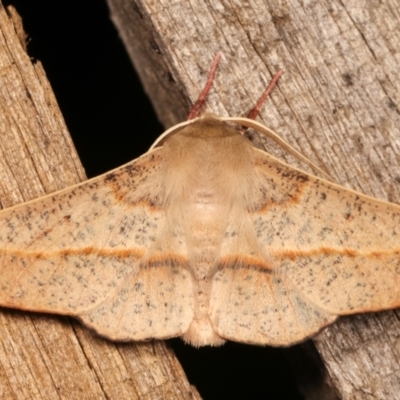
x=204 y=237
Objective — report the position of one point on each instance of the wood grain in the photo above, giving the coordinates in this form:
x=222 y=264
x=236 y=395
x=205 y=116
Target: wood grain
x=337 y=103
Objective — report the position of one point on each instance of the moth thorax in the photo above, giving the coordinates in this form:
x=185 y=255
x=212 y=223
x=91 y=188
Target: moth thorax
x=217 y=167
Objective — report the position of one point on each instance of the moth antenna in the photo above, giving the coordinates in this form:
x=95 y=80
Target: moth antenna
x=247 y=123
x=256 y=109
x=195 y=111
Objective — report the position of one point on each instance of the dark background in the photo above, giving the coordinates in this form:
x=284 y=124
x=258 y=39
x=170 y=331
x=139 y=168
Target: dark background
x=111 y=122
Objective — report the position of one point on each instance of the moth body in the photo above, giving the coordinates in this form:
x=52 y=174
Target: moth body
x=208 y=177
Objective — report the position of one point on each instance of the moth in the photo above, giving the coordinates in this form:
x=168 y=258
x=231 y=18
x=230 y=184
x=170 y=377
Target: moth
x=204 y=237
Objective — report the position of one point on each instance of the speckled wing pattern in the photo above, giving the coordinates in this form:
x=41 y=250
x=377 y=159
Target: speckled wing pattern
x=319 y=251
x=86 y=251
x=206 y=238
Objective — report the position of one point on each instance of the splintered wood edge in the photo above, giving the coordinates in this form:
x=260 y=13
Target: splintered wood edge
x=48 y=356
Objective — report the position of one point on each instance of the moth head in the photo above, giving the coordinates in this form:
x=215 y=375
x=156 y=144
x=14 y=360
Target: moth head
x=208 y=125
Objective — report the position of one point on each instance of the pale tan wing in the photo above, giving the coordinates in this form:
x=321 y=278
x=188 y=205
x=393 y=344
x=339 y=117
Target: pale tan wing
x=95 y=251
x=307 y=251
